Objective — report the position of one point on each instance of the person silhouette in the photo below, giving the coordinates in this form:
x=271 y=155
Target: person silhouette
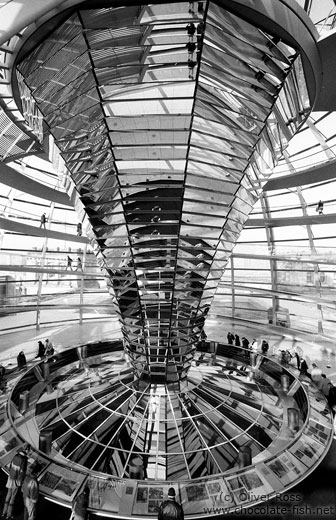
x=41 y=350
x=170 y=508
x=319 y=207
x=69 y=263
x=79 y=265
x=43 y=220
x=17 y=473
x=30 y=492
x=79 y=229
x=81 y=505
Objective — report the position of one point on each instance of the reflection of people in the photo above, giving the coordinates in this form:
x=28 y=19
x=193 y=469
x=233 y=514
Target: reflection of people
x=191 y=47
x=199 y=30
x=190 y=30
x=191 y=66
x=17 y=472
x=79 y=229
x=200 y=7
x=264 y=346
x=81 y=505
x=170 y=509
x=319 y=207
x=30 y=493
x=43 y=220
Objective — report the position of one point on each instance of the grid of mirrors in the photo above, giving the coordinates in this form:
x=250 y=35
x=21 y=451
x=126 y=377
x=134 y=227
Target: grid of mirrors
x=99 y=416
x=165 y=116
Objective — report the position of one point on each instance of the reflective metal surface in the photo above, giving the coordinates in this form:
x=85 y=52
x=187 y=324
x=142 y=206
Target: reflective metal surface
x=165 y=116
x=102 y=419
x=239 y=430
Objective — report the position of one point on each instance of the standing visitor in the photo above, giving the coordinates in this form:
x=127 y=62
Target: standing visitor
x=17 y=473
x=303 y=367
x=246 y=346
x=21 y=360
x=297 y=358
x=170 y=509
x=264 y=347
x=79 y=265
x=69 y=263
x=325 y=386
x=319 y=207
x=40 y=350
x=81 y=505
x=230 y=338
x=30 y=493
x=43 y=220
x=2 y=377
x=191 y=29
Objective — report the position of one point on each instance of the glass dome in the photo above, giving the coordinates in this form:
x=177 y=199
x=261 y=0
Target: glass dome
x=183 y=157
x=267 y=289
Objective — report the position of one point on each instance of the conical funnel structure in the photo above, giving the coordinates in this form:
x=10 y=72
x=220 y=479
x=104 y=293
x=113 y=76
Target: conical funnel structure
x=168 y=117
